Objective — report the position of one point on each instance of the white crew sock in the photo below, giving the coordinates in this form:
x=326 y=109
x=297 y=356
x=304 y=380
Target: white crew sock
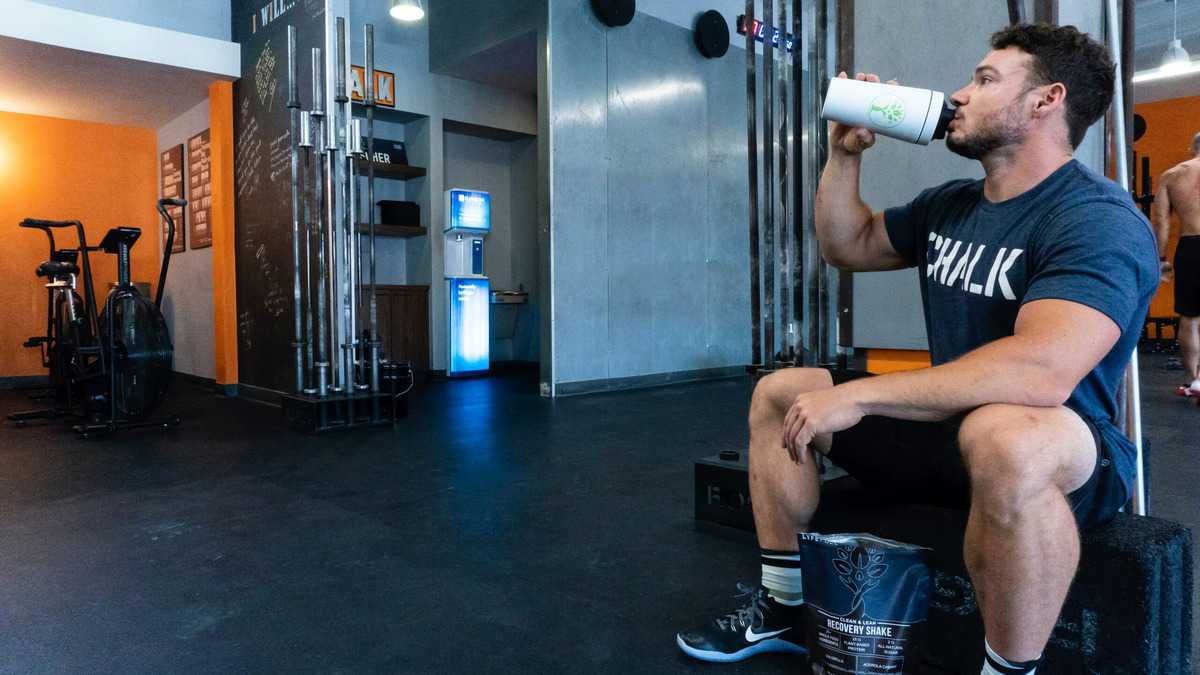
x=995 y=664
x=781 y=576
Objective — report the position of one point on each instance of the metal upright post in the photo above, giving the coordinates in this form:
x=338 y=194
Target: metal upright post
x=840 y=35
x=317 y=115
x=306 y=196
x=1132 y=383
x=801 y=172
x=369 y=43
x=293 y=105
x=786 y=260
x=822 y=299
x=360 y=352
x=752 y=157
x=333 y=268
x=345 y=283
x=1016 y=11
x=769 y=342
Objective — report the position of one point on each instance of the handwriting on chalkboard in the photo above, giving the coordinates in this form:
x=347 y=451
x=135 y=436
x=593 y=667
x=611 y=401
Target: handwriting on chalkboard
x=246 y=329
x=274 y=300
x=281 y=155
x=249 y=153
x=265 y=82
x=262 y=188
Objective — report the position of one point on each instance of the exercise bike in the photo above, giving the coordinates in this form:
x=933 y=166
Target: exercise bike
x=109 y=369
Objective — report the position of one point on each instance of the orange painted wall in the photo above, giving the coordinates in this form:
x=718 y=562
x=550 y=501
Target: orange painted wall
x=1170 y=126
x=100 y=174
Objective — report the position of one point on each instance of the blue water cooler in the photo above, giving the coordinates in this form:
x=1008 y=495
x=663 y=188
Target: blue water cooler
x=468 y=290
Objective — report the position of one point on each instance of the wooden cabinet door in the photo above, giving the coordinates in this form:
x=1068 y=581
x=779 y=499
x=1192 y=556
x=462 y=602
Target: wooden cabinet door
x=404 y=324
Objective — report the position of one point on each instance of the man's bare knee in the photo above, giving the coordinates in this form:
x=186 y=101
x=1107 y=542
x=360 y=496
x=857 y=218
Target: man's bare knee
x=1001 y=483
x=774 y=394
x=1010 y=455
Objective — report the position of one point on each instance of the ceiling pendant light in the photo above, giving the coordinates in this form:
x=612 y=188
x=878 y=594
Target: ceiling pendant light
x=1176 y=59
x=407 y=10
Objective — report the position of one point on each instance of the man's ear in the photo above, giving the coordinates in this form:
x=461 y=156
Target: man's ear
x=1050 y=98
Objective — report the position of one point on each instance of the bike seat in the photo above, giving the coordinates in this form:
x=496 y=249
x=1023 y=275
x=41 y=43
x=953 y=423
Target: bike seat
x=69 y=255
x=54 y=268
x=117 y=236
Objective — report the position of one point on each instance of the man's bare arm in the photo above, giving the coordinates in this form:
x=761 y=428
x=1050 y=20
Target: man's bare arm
x=1161 y=213
x=851 y=237
x=1055 y=345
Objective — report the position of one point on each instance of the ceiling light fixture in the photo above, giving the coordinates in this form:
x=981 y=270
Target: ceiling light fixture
x=407 y=10
x=1160 y=74
x=1176 y=58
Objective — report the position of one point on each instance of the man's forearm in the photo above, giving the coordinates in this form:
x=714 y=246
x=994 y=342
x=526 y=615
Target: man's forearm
x=1160 y=215
x=1163 y=234
x=999 y=372
x=841 y=216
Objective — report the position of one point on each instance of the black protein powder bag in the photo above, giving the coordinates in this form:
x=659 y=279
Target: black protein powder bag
x=865 y=603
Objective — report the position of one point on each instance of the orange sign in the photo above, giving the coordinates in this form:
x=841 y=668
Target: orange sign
x=385 y=86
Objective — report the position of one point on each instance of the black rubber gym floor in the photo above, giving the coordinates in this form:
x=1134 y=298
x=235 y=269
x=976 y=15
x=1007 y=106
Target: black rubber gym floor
x=491 y=531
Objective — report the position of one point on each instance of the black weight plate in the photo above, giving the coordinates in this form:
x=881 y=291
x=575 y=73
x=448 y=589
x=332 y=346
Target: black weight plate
x=712 y=34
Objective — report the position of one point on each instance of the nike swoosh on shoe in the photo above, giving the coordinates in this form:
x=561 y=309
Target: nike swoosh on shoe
x=751 y=636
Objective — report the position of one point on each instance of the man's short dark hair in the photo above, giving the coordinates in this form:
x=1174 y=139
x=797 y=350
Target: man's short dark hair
x=1064 y=54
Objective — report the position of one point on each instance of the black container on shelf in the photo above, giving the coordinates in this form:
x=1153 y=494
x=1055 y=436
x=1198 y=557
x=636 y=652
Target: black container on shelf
x=393 y=212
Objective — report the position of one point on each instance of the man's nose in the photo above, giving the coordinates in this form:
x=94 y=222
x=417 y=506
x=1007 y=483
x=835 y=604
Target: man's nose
x=960 y=98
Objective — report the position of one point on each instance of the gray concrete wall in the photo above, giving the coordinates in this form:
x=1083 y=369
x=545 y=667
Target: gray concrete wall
x=647 y=201
x=911 y=46
x=525 y=251
x=210 y=18
x=188 y=300
x=473 y=26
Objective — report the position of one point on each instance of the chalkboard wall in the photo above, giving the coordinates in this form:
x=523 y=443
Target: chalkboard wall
x=262 y=174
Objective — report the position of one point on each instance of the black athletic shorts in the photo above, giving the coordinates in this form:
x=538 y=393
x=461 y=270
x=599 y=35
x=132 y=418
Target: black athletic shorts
x=1187 y=276
x=920 y=463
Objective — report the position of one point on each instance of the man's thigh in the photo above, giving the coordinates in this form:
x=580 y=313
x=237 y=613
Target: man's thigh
x=903 y=461
x=922 y=462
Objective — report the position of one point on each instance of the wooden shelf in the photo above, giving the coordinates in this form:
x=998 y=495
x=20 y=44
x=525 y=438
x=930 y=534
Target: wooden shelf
x=385 y=170
x=394 y=230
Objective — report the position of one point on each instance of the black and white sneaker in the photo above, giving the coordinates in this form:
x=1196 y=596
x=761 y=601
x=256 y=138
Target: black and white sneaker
x=762 y=625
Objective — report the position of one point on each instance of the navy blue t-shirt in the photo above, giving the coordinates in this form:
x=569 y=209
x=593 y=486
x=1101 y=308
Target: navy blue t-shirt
x=1075 y=236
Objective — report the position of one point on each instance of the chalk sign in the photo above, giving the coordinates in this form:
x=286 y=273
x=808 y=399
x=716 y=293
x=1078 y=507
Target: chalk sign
x=385 y=86
x=199 y=149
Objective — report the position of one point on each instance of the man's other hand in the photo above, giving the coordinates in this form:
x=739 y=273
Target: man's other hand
x=817 y=412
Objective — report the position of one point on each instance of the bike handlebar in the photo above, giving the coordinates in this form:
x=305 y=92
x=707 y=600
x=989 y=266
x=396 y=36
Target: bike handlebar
x=46 y=224
x=170 y=243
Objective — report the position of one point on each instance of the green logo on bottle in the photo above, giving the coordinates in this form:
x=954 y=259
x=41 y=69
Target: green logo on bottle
x=886 y=111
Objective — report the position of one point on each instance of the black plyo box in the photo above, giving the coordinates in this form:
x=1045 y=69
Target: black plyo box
x=722 y=492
